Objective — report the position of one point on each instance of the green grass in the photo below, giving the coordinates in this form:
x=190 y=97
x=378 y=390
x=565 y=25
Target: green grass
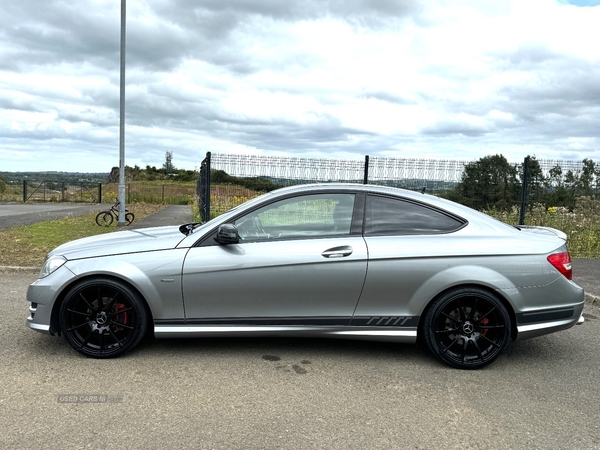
x=28 y=245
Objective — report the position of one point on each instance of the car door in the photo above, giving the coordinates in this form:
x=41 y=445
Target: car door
x=297 y=262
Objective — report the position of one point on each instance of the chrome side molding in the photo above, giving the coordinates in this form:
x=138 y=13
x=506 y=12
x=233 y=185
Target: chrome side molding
x=393 y=334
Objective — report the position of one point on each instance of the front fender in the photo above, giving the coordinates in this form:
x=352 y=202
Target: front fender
x=155 y=275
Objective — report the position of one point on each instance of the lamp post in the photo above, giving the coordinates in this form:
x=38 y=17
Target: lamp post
x=121 y=221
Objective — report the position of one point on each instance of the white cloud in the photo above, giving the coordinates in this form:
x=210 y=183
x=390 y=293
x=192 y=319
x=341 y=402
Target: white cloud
x=450 y=79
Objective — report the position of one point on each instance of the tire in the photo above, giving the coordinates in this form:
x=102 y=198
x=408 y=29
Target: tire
x=467 y=328
x=103 y=318
x=129 y=218
x=104 y=219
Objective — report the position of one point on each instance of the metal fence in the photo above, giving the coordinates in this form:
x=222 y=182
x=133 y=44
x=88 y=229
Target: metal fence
x=148 y=192
x=229 y=179
x=30 y=191
x=51 y=191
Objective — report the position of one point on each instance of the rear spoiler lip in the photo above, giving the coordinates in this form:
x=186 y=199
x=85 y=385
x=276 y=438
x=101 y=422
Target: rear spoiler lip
x=544 y=230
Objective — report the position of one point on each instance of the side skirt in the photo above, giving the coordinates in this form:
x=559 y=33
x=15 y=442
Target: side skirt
x=385 y=334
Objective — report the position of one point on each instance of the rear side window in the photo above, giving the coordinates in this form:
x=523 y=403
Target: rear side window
x=389 y=216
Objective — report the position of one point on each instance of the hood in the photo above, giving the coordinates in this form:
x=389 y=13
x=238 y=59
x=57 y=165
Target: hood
x=121 y=242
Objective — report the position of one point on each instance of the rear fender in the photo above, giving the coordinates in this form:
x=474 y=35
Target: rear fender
x=464 y=276
x=468 y=275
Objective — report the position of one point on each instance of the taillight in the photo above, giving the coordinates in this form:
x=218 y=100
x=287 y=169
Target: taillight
x=562 y=263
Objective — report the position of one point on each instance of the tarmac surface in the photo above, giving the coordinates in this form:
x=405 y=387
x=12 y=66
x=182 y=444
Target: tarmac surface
x=15 y=214
x=586 y=272
x=171 y=215
x=12 y=214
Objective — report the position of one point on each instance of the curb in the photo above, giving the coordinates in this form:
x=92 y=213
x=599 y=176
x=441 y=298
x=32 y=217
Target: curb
x=19 y=269
x=591 y=299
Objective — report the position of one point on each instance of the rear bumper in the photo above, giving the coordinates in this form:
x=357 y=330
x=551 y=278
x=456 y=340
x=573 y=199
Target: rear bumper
x=539 y=323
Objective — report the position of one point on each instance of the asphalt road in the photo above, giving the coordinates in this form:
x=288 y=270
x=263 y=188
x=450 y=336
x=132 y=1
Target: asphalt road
x=292 y=393
x=12 y=214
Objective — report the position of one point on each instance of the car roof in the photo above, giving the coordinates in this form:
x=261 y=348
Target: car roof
x=369 y=188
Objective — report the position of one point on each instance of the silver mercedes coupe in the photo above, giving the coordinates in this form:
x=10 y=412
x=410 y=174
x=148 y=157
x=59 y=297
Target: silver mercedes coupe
x=331 y=260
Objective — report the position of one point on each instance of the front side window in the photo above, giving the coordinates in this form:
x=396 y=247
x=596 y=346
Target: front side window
x=318 y=215
x=389 y=216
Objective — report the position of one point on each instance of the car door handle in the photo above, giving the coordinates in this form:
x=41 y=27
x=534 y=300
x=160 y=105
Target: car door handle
x=337 y=252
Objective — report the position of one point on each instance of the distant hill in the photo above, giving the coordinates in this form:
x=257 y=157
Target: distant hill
x=56 y=177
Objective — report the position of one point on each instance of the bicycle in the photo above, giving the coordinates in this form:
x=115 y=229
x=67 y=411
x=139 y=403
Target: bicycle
x=105 y=218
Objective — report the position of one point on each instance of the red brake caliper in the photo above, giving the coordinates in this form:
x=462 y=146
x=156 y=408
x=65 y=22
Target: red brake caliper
x=121 y=318
x=485 y=321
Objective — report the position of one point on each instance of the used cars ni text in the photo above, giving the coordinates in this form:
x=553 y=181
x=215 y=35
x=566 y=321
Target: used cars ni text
x=330 y=260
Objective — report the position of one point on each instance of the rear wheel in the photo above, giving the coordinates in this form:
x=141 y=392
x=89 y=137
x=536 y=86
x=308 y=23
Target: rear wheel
x=104 y=219
x=103 y=318
x=467 y=328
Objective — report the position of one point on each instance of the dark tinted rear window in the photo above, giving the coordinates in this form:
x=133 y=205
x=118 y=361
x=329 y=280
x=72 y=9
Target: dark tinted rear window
x=389 y=216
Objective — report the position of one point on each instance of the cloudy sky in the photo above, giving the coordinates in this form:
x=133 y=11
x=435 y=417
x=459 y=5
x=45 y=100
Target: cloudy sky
x=449 y=79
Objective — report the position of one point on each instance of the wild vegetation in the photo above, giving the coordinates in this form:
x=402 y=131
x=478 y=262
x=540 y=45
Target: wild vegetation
x=582 y=224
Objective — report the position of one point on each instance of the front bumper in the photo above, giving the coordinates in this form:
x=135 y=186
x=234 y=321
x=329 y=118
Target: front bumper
x=43 y=294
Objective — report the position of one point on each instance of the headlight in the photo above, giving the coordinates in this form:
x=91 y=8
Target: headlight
x=51 y=264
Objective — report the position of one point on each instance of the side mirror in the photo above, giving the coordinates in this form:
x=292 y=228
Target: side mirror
x=227 y=233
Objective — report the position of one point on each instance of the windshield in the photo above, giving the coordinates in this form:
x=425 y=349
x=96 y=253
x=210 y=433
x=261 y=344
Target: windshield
x=223 y=217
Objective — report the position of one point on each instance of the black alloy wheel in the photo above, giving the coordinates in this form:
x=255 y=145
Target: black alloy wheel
x=467 y=328
x=103 y=318
x=104 y=219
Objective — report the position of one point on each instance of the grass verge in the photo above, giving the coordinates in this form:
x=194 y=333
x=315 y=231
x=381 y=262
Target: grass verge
x=28 y=245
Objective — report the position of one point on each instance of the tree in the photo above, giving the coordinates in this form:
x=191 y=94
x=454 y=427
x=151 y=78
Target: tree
x=168 y=165
x=557 y=189
x=490 y=182
x=587 y=181
x=536 y=186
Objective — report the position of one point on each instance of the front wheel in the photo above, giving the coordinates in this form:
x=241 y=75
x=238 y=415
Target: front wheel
x=104 y=219
x=467 y=328
x=103 y=318
x=129 y=218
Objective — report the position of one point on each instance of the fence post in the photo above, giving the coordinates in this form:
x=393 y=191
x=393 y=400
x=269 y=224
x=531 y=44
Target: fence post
x=24 y=191
x=524 y=191
x=99 y=192
x=366 y=177
x=203 y=189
